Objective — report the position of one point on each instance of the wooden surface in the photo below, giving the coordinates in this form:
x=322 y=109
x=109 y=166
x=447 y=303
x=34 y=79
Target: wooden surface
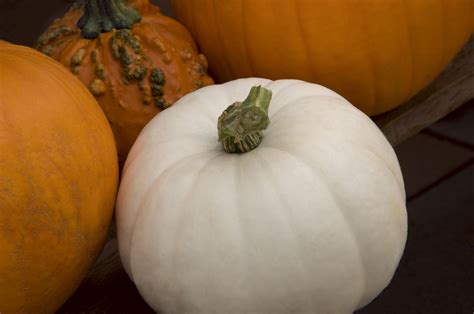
x=108 y=289
x=450 y=90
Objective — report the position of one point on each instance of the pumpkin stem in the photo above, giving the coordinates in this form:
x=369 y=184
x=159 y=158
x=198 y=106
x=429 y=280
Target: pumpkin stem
x=104 y=15
x=240 y=126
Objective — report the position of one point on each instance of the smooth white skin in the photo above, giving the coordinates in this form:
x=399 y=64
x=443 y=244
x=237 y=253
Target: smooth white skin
x=311 y=221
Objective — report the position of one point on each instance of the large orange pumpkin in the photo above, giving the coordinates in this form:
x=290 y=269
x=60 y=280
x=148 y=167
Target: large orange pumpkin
x=377 y=54
x=58 y=181
x=135 y=60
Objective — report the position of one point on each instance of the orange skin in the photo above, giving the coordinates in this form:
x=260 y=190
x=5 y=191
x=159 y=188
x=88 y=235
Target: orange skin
x=377 y=54
x=58 y=181
x=166 y=45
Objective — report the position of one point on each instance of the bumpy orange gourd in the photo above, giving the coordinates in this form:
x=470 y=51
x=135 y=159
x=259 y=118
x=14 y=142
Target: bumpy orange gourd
x=134 y=72
x=58 y=181
x=377 y=54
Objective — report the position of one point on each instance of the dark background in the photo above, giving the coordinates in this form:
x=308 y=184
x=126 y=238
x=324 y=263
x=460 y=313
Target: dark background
x=436 y=274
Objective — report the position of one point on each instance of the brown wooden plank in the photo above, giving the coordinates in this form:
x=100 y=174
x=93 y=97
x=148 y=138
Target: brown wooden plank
x=450 y=90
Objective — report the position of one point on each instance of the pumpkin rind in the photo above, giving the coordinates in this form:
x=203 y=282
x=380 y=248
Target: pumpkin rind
x=134 y=73
x=313 y=220
x=58 y=181
x=377 y=54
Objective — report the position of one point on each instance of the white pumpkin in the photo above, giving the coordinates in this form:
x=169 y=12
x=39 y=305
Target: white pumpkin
x=313 y=220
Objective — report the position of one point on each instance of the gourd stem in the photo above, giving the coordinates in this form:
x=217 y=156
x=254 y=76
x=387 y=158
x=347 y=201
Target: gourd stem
x=240 y=126
x=104 y=15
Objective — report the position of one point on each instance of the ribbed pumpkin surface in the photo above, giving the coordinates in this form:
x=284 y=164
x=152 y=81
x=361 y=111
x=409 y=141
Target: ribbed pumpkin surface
x=377 y=54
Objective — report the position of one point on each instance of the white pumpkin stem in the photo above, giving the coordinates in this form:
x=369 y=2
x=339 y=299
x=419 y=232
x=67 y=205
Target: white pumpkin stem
x=240 y=126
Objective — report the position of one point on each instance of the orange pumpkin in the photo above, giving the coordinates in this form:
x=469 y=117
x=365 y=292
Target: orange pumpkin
x=377 y=54
x=58 y=181
x=135 y=60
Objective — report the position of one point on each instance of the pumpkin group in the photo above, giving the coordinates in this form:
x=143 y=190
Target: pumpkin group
x=136 y=61
x=377 y=54
x=58 y=181
x=308 y=217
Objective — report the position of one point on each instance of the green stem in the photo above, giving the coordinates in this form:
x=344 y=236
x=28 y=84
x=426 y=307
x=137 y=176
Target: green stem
x=240 y=126
x=104 y=15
